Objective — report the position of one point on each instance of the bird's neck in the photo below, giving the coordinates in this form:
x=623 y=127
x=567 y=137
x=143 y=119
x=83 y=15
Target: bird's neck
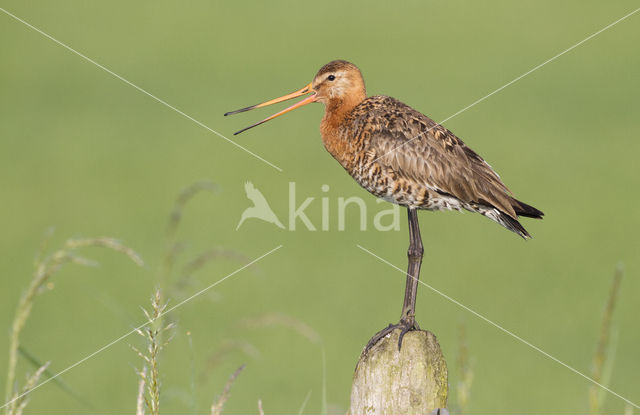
x=337 y=109
x=333 y=122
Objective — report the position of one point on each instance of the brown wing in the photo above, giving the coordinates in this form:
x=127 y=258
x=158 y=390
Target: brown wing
x=418 y=148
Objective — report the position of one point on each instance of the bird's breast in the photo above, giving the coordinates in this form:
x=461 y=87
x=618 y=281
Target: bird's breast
x=351 y=146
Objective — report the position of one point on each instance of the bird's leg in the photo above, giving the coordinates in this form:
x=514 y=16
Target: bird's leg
x=414 y=253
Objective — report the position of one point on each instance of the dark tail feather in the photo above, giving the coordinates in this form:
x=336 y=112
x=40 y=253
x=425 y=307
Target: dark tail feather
x=505 y=220
x=522 y=209
x=513 y=225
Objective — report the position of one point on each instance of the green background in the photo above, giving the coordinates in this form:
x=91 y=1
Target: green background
x=84 y=152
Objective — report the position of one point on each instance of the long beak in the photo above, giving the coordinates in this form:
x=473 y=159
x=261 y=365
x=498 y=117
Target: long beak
x=307 y=89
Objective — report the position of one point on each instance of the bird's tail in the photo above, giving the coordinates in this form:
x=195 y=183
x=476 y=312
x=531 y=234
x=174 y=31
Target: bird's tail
x=506 y=221
x=521 y=209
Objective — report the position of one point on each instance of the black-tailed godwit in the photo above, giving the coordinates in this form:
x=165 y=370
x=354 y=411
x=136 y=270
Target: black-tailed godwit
x=404 y=157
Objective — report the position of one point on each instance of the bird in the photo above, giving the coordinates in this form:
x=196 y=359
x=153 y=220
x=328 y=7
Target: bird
x=402 y=156
x=260 y=208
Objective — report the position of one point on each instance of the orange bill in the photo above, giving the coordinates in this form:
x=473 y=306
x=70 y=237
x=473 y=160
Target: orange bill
x=306 y=90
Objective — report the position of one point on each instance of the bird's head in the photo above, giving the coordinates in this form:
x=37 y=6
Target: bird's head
x=338 y=81
x=337 y=84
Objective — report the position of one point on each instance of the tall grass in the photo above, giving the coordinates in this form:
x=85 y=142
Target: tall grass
x=154 y=333
x=218 y=405
x=173 y=247
x=149 y=384
x=45 y=269
x=157 y=332
x=602 y=364
x=604 y=356
x=148 y=397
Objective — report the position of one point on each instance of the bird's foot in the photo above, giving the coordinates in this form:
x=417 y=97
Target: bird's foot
x=406 y=324
x=379 y=335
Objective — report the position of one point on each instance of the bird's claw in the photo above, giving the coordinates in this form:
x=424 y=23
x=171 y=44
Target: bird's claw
x=406 y=325
x=379 y=335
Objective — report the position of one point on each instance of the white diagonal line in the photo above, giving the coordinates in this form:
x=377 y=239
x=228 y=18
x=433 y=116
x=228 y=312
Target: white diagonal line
x=535 y=68
x=106 y=346
x=496 y=325
x=126 y=81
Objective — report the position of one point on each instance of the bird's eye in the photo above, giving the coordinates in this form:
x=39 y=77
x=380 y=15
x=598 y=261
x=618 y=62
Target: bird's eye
x=331 y=77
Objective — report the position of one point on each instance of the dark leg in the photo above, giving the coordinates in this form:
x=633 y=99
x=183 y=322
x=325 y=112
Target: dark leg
x=414 y=253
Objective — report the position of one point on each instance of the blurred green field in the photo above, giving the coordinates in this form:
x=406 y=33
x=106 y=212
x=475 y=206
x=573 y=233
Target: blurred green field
x=91 y=156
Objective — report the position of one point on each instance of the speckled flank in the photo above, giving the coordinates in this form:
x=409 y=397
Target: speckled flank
x=404 y=157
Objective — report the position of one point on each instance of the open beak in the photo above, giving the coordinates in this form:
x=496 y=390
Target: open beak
x=306 y=90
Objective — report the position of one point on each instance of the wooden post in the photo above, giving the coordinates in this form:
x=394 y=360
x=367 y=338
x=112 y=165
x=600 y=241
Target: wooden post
x=410 y=381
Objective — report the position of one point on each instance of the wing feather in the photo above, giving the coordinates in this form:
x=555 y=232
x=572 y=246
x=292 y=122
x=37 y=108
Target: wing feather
x=419 y=149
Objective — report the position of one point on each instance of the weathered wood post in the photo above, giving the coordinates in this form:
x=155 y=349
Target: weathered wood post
x=410 y=381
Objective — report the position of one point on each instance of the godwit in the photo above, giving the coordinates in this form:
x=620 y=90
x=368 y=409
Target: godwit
x=404 y=157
